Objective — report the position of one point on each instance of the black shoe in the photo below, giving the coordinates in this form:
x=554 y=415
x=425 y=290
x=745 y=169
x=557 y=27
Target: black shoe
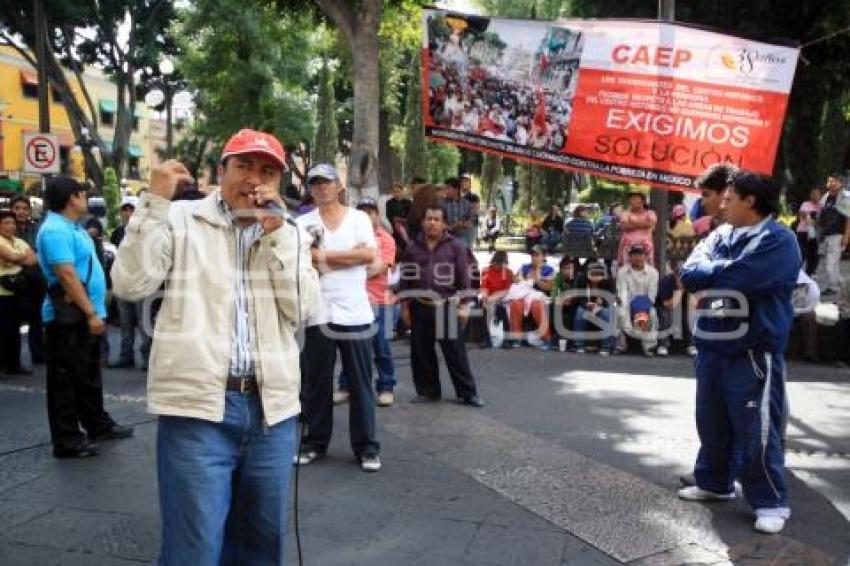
x=82 y=450
x=423 y=399
x=114 y=432
x=39 y=360
x=307 y=456
x=473 y=401
x=123 y=364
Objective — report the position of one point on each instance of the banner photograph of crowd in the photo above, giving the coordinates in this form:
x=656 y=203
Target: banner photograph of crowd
x=487 y=80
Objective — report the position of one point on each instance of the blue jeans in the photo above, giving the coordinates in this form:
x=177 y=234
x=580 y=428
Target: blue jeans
x=581 y=324
x=223 y=487
x=386 y=318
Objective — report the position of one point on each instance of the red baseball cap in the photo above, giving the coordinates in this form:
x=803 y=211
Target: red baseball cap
x=252 y=141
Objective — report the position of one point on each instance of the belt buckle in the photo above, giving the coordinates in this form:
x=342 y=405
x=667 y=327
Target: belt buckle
x=243 y=389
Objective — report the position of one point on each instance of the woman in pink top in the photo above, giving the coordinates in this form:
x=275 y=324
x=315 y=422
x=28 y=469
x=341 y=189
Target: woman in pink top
x=637 y=224
x=807 y=237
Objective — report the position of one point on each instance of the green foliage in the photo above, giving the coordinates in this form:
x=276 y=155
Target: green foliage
x=327 y=133
x=442 y=161
x=541 y=186
x=491 y=177
x=111 y=199
x=248 y=64
x=414 y=155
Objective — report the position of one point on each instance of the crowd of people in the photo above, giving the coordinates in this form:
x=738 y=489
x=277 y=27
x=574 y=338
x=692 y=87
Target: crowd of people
x=225 y=373
x=480 y=103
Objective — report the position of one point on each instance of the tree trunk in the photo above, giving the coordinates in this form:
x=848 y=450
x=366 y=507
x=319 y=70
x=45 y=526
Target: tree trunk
x=76 y=116
x=363 y=161
x=385 y=165
x=358 y=24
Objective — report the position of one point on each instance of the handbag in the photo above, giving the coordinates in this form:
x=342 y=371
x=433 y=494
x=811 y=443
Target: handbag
x=64 y=310
x=16 y=282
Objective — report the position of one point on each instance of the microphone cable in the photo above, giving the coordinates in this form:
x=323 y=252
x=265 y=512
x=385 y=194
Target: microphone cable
x=275 y=207
x=300 y=421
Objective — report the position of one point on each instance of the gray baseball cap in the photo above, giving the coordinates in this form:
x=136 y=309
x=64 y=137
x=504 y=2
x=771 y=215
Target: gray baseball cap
x=322 y=171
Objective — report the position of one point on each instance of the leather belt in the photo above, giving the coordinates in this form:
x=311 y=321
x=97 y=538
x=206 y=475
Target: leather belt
x=242 y=385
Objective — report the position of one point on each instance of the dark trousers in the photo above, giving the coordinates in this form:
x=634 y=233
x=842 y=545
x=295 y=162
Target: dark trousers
x=809 y=251
x=317 y=380
x=10 y=333
x=424 y=333
x=740 y=414
x=74 y=384
x=33 y=300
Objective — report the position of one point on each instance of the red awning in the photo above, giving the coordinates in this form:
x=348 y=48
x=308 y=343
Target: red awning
x=29 y=78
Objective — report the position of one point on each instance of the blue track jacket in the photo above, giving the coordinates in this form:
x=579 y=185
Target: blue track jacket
x=762 y=264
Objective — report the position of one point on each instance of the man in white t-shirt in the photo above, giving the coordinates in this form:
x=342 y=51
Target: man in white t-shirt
x=343 y=247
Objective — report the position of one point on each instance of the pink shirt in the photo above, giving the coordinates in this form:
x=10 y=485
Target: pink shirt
x=377 y=285
x=636 y=235
x=807 y=207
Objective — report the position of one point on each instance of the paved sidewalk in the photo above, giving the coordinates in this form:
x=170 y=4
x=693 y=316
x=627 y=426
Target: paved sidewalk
x=573 y=461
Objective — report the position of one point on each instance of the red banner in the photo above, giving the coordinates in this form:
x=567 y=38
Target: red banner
x=636 y=101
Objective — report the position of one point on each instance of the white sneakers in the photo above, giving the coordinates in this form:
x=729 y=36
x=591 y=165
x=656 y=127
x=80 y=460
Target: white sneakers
x=385 y=399
x=694 y=493
x=341 y=396
x=692 y=351
x=370 y=463
x=661 y=351
x=769 y=521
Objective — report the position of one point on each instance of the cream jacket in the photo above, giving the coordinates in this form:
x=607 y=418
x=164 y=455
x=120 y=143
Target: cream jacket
x=190 y=247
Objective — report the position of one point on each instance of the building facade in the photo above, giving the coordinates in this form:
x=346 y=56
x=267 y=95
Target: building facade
x=19 y=116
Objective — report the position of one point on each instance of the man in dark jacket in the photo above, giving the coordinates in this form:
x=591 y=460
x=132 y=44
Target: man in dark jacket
x=435 y=280
x=748 y=269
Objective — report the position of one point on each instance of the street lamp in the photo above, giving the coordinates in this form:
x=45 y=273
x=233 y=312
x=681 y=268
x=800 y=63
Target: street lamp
x=83 y=145
x=161 y=95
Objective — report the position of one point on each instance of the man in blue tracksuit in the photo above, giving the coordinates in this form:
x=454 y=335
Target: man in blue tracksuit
x=748 y=268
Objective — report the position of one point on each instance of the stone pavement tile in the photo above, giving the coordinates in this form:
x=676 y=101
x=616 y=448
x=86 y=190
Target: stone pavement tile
x=14 y=513
x=614 y=511
x=22 y=467
x=777 y=550
x=327 y=552
x=503 y=545
x=691 y=554
x=64 y=528
x=16 y=554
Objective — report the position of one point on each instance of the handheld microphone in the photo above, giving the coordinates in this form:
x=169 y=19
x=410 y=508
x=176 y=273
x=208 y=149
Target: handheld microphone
x=274 y=207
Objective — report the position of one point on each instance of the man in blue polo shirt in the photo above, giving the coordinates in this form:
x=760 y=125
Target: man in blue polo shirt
x=74 y=277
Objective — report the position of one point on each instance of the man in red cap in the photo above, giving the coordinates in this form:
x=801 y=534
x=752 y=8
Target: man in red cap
x=224 y=370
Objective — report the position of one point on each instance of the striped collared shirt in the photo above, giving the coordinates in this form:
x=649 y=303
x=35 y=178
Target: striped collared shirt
x=241 y=361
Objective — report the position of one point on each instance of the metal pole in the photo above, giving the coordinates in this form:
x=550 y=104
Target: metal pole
x=658 y=195
x=41 y=56
x=169 y=123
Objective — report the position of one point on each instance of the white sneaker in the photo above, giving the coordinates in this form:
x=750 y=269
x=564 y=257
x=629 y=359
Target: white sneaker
x=580 y=350
x=771 y=521
x=604 y=353
x=694 y=493
x=661 y=351
x=692 y=351
x=385 y=399
x=769 y=525
x=341 y=397
x=534 y=340
x=370 y=463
